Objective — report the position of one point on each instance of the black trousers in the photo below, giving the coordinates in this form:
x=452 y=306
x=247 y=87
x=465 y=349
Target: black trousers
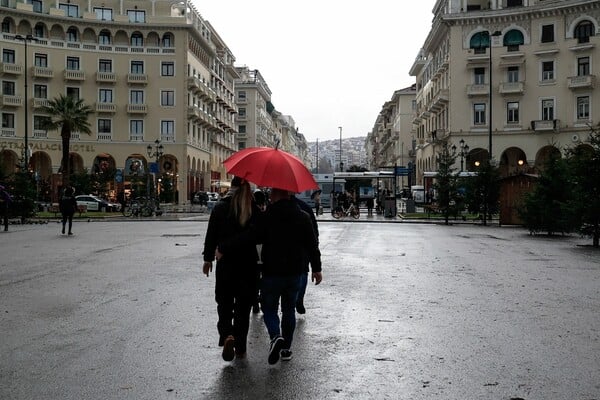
x=67 y=218
x=235 y=293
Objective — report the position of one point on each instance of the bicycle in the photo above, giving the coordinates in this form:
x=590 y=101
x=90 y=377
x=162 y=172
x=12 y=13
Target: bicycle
x=139 y=207
x=352 y=211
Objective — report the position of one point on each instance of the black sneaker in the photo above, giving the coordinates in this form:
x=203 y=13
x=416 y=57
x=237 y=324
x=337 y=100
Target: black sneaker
x=286 y=355
x=229 y=348
x=300 y=308
x=276 y=345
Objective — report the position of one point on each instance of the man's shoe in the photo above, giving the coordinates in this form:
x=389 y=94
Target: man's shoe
x=63 y=230
x=229 y=348
x=70 y=233
x=300 y=308
x=286 y=355
x=276 y=346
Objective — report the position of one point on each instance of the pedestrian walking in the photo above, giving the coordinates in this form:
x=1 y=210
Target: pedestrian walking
x=370 y=206
x=5 y=200
x=300 y=309
x=236 y=275
x=67 y=208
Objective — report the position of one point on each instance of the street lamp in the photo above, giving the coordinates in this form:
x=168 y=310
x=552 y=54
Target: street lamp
x=464 y=150
x=156 y=152
x=341 y=163
x=490 y=35
x=25 y=39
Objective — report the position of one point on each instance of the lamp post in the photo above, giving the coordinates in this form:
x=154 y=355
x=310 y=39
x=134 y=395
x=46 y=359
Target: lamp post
x=156 y=152
x=341 y=163
x=25 y=39
x=464 y=150
x=490 y=35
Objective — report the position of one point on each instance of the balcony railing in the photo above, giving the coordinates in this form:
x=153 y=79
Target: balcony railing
x=512 y=88
x=7 y=132
x=40 y=134
x=581 y=82
x=74 y=75
x=11 y=101
x=109 y=77
x=106 y=107
x=136 y=137
x=104 y=137
x=43 y=72
x=137 y=78
x=545 y=125
x=39 y=103
x=13 y=69
x=478 y=90
x=137 y=108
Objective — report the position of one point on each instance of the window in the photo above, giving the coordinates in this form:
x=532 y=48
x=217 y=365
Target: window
x=8 y=88
x=242 y=129
x=73 y=92
x=513 y=74
x=514 y=3
x=136 y=15
x=136 y=127
x=40 y=91
x=137 y=67
x=242 y=95
x=513 y=39
x=547 y=109
x=40 y=60
x=547 y=70
x=8 y=120
x=73 y=63
x=136 y=97
x=8 y=56
x=104 y=126
x=583 y=107
x=547 y=33
x=242 y=112
x=137 y=40
x=167 y=40
x=104 y=37
x=71 y=10
x=40 y=122
x=479 y=76
x=167 y=68
x=583 y=31
x=37 y=6
x=512 y=112
x=38 y=31
x=5 y=25
x=167 y=130
x=480 y=42
x=104 y=65
x=479 y=114
x=104 y=14
x=71 y=35
x=167 y=98
x=241 y=145
x=105 y=95
x=583 y=66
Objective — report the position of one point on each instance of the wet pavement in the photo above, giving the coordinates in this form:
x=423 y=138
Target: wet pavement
x=405 y=311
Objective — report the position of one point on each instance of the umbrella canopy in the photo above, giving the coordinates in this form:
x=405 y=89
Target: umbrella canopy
x=316 y=192
x=271 y=167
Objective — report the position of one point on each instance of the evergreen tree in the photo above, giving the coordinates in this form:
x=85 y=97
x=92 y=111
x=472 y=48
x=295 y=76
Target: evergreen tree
x=483 y=191
x=446 y=183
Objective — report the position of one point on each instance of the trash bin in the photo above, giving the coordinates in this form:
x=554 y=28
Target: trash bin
x=389 y=206
x=410 y=206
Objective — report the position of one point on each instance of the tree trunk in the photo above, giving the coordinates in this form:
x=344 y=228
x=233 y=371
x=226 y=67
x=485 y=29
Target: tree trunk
x=66 y=168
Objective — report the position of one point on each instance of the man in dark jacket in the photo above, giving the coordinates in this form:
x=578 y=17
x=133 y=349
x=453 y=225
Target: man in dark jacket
x=288 y=239
x=304 y=282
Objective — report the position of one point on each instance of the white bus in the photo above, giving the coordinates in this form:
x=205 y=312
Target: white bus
x=325 y=182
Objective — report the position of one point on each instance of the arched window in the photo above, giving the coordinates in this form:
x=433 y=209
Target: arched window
x=71 y=34
x=480 y=41
x=137 y=40
x=167 y=40
x=104 y=37
x=583 y=31
x=38 y=31
x=513 y=39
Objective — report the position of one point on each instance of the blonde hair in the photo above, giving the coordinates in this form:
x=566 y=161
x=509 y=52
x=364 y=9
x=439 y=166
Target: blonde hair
x=241 y=203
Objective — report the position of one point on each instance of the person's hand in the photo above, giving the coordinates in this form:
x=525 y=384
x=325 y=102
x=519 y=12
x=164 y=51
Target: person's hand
x=218 y=254
x=207 y=267
x=317 y=277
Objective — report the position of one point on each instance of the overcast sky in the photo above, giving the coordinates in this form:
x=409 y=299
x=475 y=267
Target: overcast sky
x=328 y=63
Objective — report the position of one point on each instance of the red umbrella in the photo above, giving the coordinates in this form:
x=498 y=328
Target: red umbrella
x=271 y=167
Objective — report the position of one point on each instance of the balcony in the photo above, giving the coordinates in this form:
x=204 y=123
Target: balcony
x=11 y=69
x=43 y=72
x=107 y=77
x=581 y=82
x=512 y=88
x=11 y=101
x=545 y=125
x=478 y=90
x=40 y=134
x=74 y=75
x=39 y=103
x=104 y=137
x=7 y=132
x=137 y=108
x=106 y=108
x=137 y=78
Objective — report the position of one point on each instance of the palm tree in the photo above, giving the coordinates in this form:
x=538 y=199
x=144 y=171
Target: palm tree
x=71 y=115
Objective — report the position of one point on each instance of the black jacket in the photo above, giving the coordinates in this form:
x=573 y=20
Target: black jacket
x=67 y=205
x=288 y=239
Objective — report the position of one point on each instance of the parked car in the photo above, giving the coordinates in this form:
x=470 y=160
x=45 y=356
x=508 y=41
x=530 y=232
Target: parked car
x=95 y=203
x=213 y=196
x=200 y=198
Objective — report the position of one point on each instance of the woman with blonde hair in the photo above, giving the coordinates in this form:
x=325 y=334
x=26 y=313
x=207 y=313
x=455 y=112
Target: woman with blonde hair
x=236 y=273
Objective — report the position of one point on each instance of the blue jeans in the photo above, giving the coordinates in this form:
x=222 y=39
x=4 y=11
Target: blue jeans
x=285 y=288
x=302 y=291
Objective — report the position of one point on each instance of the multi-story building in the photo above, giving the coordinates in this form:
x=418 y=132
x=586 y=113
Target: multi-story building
x=516 y=78
x=151 y=70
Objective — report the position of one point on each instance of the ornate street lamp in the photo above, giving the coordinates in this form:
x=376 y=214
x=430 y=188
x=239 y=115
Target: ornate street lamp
x=491 y=35
x=25 y=39
x=464 y=150
x=156 y=152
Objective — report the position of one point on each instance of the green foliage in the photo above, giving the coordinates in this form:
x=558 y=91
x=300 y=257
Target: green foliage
x=483 y=191
x=82 y=182
x=449 y=200
x=22 y=188
x=547 y=208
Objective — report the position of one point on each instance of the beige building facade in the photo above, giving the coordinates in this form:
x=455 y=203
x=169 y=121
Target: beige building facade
x=531 y=93
x=151 y=70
